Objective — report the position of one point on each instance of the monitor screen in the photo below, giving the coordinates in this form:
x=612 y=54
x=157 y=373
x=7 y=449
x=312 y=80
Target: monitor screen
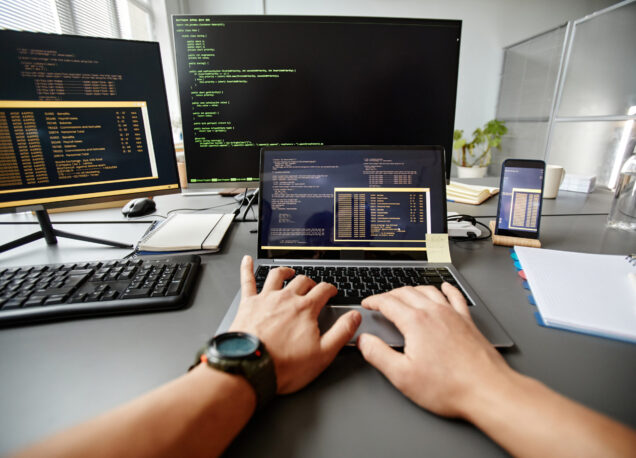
x=82 y=120
x=350 y=202
x=248 y=82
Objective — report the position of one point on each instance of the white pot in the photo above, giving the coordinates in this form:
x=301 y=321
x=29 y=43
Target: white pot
x=471 y=172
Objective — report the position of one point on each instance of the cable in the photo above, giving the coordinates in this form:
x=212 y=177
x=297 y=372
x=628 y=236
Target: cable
x=244 y=200
x=250 y=203
x=194 y=210
x=472 y=220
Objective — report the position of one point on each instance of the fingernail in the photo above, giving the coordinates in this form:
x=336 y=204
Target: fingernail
x=245 y=259
x=360 y=341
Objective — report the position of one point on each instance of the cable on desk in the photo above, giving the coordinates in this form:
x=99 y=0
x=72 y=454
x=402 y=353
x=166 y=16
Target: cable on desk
x=472 y=220
x=194 y=210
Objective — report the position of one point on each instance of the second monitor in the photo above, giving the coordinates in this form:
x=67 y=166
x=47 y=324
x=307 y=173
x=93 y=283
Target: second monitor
x=248 y=82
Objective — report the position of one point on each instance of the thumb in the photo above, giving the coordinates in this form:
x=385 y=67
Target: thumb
x=388 y=361
x=341 y=332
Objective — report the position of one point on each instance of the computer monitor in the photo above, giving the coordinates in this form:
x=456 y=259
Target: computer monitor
x=248 y=82
x=82 y=120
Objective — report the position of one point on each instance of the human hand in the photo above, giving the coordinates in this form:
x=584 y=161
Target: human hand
x=286 y=320
x=446 y=359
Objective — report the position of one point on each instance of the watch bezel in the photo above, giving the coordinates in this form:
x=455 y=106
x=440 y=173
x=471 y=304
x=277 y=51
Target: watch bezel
x=213 y=353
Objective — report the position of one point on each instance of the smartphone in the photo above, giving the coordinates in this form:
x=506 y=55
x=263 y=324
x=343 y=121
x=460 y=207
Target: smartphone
x=520 y=196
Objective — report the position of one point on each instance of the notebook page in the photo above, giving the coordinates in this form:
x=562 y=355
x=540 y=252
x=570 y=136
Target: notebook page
x=580 y=291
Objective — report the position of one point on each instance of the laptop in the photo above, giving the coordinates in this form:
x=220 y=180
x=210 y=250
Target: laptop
x=364 y=218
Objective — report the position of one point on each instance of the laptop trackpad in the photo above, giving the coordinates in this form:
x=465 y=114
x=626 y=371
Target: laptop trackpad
x=372 y=323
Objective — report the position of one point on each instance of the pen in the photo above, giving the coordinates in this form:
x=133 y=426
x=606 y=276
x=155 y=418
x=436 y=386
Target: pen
x=150 y=228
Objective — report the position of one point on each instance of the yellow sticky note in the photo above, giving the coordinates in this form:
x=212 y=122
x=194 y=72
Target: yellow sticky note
x=437 y=248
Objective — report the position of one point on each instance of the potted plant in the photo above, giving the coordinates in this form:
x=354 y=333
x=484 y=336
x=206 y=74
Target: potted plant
x=472 y=158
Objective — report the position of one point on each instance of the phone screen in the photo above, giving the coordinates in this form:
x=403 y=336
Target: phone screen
x=519 y=210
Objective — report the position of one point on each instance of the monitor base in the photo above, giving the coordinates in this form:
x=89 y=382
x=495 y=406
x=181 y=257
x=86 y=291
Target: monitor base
x=50 y=234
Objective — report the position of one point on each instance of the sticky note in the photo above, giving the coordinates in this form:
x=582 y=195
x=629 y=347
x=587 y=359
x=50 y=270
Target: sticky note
x=518 y=265
x=437 y=249
x=526 y=285
x=531 y=300
x=522 y=274
x=514 y=256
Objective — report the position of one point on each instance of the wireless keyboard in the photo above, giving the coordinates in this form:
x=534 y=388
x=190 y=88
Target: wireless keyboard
x=86 y=289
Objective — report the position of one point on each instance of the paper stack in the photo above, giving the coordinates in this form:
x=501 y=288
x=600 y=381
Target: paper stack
x=469 y=193
x=578 y=183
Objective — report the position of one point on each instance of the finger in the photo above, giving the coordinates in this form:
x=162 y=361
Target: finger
x=393 y=307
x=413 y=296
x=276 y=277
x=457 y=300
x=320 y=294
x=248 y=284
x=432 y=293
x=388 y=361
x=341 y=332
x=301 y=285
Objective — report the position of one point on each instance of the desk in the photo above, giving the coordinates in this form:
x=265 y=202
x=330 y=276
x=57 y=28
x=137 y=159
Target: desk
x=568 y=203
x=56 y=375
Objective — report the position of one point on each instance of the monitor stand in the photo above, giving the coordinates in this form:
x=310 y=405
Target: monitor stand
x=50 y=234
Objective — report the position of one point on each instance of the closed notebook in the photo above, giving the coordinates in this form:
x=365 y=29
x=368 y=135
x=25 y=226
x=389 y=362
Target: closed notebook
x=188 y=231
x=589 y=293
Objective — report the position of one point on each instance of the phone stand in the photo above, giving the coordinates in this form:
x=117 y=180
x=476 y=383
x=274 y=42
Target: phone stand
x=508 y=240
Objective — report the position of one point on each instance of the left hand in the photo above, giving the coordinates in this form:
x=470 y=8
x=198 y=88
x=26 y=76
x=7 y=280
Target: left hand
x=286 y=320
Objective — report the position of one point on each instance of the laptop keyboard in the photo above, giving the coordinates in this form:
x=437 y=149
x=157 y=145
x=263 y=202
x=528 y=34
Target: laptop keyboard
x=64 y=291
x=356 y=283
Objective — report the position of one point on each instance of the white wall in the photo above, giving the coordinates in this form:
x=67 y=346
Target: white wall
x=488 y=26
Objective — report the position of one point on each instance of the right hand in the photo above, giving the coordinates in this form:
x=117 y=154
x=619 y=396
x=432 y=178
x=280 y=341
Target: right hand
x=286 y=320
x=446 y=359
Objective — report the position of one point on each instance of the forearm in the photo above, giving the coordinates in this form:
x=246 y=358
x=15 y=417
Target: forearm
x=198 y=414
x=528 y=419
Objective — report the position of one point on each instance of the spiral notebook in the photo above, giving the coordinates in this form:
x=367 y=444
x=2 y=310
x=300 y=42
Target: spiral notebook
x=589 y=293
x=187 y=232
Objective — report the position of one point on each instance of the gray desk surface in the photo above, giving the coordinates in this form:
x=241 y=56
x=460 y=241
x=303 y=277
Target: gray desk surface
x=567 y=203
x=56 y=375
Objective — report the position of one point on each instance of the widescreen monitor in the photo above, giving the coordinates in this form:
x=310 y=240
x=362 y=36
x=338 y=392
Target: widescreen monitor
x=82 y=120
x=248 y=82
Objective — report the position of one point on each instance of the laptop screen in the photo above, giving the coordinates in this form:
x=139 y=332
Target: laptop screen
x=350 y=202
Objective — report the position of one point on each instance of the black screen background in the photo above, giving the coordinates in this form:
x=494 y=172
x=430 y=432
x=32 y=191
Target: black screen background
x=358 y=81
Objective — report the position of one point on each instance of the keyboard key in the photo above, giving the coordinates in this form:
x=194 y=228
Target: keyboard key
x=14 y=303
x=136 y=293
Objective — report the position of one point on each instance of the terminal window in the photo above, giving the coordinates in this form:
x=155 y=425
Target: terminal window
x=381 y=214
x=524 y=210
x=47 y=145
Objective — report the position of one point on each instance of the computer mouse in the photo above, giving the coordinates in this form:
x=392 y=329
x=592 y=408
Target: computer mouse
x=139 y=207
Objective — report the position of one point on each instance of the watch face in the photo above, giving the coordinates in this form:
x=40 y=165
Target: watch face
x=235 y=345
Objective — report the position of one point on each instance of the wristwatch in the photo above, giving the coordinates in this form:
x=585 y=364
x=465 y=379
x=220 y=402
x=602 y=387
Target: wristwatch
x=243 y=354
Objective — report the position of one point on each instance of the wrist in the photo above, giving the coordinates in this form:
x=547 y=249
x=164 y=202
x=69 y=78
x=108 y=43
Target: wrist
x=243 y=355
x=234 y=387
x=491 y=396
